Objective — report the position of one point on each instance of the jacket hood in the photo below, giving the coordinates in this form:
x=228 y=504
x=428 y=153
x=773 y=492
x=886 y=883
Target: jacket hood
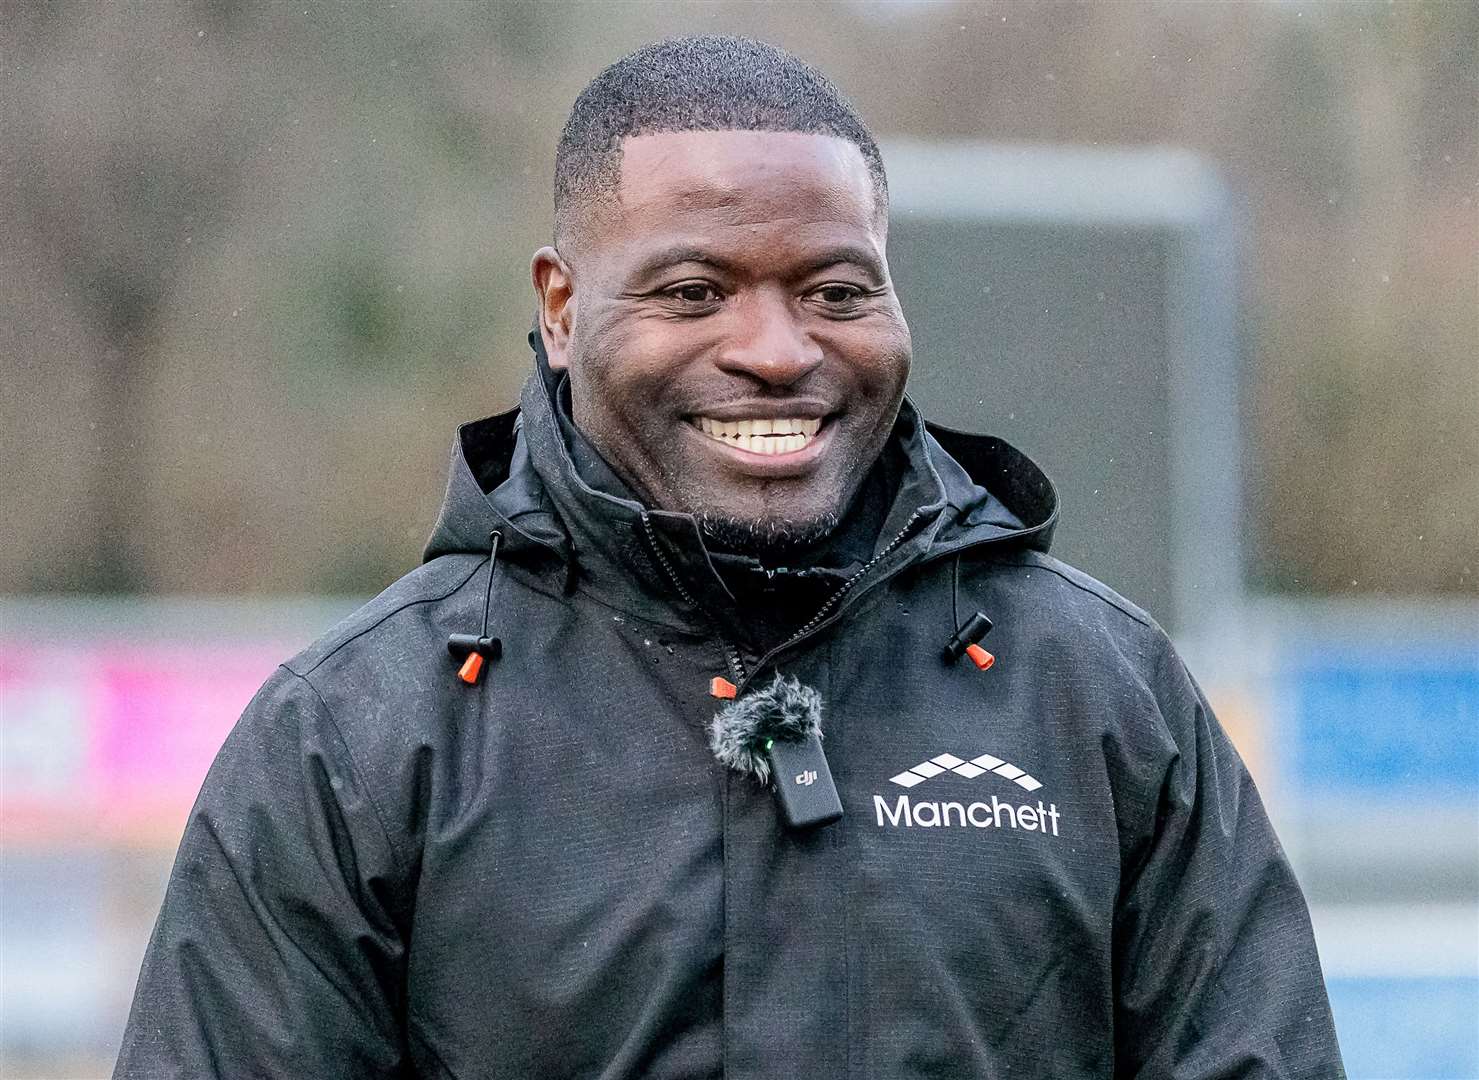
x=513 y=473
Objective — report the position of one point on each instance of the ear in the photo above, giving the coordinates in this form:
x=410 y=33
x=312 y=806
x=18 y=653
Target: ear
x=555 y=284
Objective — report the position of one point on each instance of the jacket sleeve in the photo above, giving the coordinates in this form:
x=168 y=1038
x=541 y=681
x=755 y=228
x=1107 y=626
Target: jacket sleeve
x=1215 y=965
x=279 y=949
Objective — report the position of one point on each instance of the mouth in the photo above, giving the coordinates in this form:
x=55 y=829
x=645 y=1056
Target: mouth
x=766 y=436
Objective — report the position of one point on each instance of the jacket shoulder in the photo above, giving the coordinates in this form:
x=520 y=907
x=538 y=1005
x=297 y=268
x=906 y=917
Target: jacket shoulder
x=1079 y=591
x=1078 y=627
x=394 y=618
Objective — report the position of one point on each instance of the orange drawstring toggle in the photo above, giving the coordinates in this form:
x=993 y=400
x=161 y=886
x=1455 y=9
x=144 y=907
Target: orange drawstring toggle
x=979 y=656
x=471 y=668
x=721 y=687
x=966 y=641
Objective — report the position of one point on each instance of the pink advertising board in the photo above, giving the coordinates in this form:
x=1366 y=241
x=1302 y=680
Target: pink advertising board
x=108 y=741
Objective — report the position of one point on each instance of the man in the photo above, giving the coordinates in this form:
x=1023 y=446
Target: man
x=480 y=829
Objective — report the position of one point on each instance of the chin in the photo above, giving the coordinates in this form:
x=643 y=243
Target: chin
x=765 y=535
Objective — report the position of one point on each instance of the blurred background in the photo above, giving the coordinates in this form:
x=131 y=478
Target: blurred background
x=1215 y=265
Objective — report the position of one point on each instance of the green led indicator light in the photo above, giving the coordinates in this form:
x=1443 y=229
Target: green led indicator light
x=769 y=743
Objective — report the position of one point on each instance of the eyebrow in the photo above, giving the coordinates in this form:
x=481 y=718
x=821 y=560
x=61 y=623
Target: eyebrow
x=851 y=254
x=664 y=258
x=844 y=254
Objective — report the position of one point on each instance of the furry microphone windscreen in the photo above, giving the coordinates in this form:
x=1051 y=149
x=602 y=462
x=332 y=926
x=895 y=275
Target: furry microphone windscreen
x=785 y=711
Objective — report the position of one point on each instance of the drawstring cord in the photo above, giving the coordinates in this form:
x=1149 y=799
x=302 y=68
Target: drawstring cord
x=493 y=538
x=474 y=649
x=955 y=591
x=966 y=639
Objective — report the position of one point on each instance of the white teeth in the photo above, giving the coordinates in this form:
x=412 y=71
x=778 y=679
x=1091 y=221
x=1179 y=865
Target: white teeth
x=781 y=435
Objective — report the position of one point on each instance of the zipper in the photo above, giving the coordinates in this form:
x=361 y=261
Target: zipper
x=817 y=620
x=731 y=653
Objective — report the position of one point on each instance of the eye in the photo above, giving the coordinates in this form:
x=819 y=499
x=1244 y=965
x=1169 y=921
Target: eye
x=838 y=299
x=693 y=292
x=838 y=294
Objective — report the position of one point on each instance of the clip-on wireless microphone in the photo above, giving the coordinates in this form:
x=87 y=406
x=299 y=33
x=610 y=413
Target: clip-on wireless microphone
x=775 y=734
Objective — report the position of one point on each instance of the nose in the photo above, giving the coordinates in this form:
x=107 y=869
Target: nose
x=769 y=341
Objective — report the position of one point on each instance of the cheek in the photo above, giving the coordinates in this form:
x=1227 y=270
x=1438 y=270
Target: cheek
x=612 y=339
x=600 y=355
x=650 y=361
x=879 y=352
x=618 y=387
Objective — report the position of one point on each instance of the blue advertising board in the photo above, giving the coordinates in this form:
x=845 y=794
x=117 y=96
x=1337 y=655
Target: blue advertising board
x=1379 y=722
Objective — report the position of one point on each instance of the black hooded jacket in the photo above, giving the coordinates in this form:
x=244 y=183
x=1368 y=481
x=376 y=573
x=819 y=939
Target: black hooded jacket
x=1053 y=868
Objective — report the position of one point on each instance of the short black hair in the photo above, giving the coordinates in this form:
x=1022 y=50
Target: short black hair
x=707 y=83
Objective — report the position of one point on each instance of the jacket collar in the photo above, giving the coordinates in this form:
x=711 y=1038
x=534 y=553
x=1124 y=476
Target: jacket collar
x=514 y=472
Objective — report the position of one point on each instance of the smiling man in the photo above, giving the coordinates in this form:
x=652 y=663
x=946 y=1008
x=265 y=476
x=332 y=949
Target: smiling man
x=557 y=803
x=734 y=345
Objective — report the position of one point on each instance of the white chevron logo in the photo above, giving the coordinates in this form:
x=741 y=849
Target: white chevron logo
x=976 y=766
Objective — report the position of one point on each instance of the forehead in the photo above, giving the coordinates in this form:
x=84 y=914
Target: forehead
x=742 y=183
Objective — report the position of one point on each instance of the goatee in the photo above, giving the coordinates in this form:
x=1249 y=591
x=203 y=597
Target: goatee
x=764 y=537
